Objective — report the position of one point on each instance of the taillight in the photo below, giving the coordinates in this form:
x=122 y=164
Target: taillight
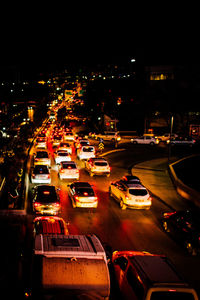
x=57 y=204
x=61 y=170
x=37 y=204
x=48 y=176
x=167 y=215
x=96 y=198
x=76 y=198
x=33 y=175
x=77 y=171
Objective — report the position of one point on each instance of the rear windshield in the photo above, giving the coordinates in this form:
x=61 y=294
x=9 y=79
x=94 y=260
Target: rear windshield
x=64 y=145
x=63 y=154
x=42 y=155
x=101 y=164
x=45 y=195
x=138 y=192
x=41 y=170
x=88 y=149
x=85 y=192
x=173 y=295
x=69 y=166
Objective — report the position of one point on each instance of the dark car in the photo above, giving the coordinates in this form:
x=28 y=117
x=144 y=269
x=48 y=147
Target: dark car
x=131 y=178
x=184 y=226
x=46 y=200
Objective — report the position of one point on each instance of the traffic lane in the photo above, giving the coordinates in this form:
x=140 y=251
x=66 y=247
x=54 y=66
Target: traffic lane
x=122 y=230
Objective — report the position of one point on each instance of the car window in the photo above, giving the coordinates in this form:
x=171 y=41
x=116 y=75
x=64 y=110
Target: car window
x=63 y=154
x=85 y=192
x=88 y=149
x=122 y=262
x=41 y=170
x=69 y=166
x=42 y=155
x=138 y=192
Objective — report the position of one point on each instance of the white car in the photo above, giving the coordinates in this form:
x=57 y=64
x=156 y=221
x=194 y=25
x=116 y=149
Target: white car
x=41 y=174
x=149 y=140
x=82 y=195
x=65 y=146
x=129 y=194
x=61 y=155
x=97 y=166
x=68 y=136
x=86 y=152
x=166 y=137
x=113 y=136
x=68 y=170
x=42 y=158
x=41 y=143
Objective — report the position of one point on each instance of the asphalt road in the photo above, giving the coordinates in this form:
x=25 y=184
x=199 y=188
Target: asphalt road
x=121 y=229
x=129 y=229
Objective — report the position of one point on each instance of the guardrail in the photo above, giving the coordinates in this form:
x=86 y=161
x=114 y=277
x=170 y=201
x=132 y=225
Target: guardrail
x=182 y=189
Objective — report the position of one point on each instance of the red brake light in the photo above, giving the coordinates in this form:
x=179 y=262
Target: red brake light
x=46 y=192
x=57 y=204
x=85 y=194
x=37 y=204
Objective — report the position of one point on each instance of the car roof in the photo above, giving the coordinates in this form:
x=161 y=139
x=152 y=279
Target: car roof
x=49 y=225
x=98 y=159
x=136 y=185
x=70 y=162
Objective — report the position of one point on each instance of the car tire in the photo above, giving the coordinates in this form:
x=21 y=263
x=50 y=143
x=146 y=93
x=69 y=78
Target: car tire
x=73 y=204
x=190 y=249
x=134 y=143
x=122 y=205
x=152 y=143
x=108 y=175
x=165 y=226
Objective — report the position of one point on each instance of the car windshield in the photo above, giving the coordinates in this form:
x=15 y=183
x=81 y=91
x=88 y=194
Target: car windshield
x=85 y=192
x=41 y=170
x=46 y=194
x=171 y=295
x=88 y=149
x=101 y=163
x=138 y=192
x=42 y=155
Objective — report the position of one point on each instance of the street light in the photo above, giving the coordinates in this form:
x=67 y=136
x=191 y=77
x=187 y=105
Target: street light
x=133 y=60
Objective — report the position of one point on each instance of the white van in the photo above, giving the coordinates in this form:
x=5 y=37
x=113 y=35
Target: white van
x=70 y=264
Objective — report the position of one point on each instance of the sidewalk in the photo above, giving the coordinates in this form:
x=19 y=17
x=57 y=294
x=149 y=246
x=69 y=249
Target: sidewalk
x=155 y=177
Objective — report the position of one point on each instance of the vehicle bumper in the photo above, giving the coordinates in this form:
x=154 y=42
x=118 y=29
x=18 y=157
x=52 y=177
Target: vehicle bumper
x=69 y=176
x=48 y=181
x=138 y=205
x=87 y=204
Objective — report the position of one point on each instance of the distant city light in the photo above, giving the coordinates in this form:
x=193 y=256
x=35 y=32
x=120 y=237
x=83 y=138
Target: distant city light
x=133 y=60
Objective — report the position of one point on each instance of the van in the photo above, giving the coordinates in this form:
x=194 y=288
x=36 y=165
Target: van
x=65 y=264
x=145 y=276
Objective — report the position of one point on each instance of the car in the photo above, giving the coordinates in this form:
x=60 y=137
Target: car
x=145 y=139
x=46 y=200
x=86 y=152
x=131 y=195
x=182 y=141
x=40 y=174
x=184 y=227
x=131 y=178
x=65 y=146
x=56 y=140
x=142 y=275
x=49 y=225
x=97 y=166
x=113 y=136
x=68 y=170
x=61 y=155
x=41 y=143
x=81 y=142
x=166 y=137
x=82 y=195
x=42 y=158
x=68 y=136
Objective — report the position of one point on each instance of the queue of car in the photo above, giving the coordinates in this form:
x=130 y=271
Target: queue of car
x=133 y=270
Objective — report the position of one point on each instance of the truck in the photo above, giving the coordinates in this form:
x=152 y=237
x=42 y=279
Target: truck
x=69 y=265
